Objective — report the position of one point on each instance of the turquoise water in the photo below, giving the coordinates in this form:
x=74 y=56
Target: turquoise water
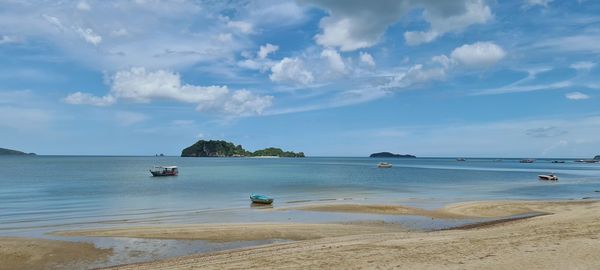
x=48 y=193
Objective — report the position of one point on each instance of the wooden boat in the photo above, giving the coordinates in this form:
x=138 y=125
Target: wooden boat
x=257 y=198
x=527 y=161
x=548 y=177
x=384 y=165
x=164 y=171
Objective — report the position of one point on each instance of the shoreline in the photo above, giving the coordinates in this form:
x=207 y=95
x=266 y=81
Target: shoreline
x=512 y=220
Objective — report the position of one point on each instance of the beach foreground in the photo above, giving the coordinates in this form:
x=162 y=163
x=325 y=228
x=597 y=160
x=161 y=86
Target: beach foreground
x=567 y=237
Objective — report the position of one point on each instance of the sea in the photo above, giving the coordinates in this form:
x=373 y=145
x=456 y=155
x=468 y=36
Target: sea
x=44 y=194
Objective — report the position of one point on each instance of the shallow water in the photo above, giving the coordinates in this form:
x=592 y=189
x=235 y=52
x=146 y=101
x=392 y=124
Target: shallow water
x=40 y=194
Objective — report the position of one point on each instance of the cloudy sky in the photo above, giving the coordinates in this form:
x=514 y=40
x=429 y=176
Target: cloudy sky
x=330 y=78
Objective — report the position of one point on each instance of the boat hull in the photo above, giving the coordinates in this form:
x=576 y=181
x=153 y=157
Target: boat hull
x=163 y=174
x=261 y=199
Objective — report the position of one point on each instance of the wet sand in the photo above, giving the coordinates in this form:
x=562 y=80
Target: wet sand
x=567 y=238
x=25 y=253
x=239 y=232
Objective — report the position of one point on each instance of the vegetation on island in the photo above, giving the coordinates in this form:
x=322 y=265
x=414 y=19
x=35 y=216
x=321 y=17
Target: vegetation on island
x=218 y=148
x=10 y=152
x=390 y=155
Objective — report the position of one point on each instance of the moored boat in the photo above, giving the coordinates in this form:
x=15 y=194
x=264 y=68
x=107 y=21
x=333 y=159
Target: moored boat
x=164 y=171
x=257 y=198
x=548 y=177
x=384 y=165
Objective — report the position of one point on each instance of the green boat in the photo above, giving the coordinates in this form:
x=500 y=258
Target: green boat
x=257 y=198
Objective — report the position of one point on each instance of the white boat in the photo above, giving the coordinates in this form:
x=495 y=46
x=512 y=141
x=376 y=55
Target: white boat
x=164 y=171
x=548 y=177
x=384 y=165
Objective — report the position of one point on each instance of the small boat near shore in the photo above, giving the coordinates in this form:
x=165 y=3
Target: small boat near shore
x=164 y=171
x=262 y=199
x=527 y=161
x=384 y=165
x=548 y=177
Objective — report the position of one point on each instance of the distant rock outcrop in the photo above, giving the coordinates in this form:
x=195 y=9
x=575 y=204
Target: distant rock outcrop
x=219 y=148
x=10 y=152
x=390 y=155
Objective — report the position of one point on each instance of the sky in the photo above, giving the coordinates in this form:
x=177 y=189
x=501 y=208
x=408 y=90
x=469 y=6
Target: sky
x=471 y=78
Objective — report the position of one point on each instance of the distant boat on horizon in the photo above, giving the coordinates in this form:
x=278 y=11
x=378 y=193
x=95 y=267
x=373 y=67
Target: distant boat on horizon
x=164 y=171
x=527 y=161
x=384 y=165
x=461 y=159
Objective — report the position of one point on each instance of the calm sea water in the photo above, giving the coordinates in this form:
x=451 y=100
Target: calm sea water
x=41 y=194
x=45 y=193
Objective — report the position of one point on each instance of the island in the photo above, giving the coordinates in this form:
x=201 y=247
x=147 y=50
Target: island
x=219 y=148
x=390 y=155
x=10 y=152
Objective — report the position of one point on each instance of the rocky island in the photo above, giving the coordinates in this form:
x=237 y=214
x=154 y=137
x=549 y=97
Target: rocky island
x=10 y=152
x=390 y=155
x=218 y=148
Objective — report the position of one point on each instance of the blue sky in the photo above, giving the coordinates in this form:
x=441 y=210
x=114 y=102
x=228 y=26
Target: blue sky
x=330 y=78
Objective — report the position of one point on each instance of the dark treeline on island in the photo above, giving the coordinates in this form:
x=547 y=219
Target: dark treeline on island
x=212 y=148
x=10 y=152
x=390 y=155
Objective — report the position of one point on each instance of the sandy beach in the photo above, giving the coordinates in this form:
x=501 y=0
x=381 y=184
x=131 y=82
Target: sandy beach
x=568 y=237
x=25 y=253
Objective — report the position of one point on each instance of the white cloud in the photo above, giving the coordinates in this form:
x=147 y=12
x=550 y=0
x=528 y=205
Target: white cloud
x=291 y=70
x=367 y=59
x=89 y=36
x=225 y=37
x=583 y=66
x=356 y=24
x=524 y=88
x=265 y=50
x=79 y=98
x=242 y=26
x=334 y=59
x=576 y=96
x=139 y=85
x=415 y=75
x=449 y=16
x=479 y=54
x=83 y=6
x=531 y=3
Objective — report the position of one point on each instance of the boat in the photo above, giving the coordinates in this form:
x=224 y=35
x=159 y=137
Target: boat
x=558 y=161
x=384 y=165
x=461 y=159
x=263 y=199
x=164 y=171
x=587 y=161
x=548 y=177
x=527 y=161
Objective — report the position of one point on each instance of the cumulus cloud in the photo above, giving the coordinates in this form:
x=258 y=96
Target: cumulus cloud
x=479 y=54
x=356 y=24
x=448 y=16
x=334 y=59
x=139 y=85
x=367 y=59
x=265 y=50
x=291 y=70
x=583 y=66
x=576 y=96
x=89 y=36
